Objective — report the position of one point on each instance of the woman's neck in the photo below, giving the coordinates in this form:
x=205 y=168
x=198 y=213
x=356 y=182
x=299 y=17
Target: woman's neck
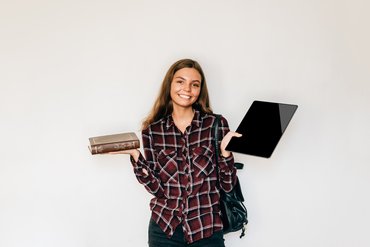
x=181 y=112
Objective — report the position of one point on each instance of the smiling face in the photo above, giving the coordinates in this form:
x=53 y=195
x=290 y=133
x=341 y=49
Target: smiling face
x=185 y=87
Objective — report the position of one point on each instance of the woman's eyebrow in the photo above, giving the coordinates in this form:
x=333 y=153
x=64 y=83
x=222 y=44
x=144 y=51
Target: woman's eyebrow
x=182 y=78
x=179 y=77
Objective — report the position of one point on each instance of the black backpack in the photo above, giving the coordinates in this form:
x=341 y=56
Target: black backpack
x=233 y=212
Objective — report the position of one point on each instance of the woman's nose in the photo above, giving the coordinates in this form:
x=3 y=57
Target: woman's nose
x=186 y=87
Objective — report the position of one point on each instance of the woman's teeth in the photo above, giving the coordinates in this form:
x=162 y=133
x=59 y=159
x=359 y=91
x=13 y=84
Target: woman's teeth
x=184 y=96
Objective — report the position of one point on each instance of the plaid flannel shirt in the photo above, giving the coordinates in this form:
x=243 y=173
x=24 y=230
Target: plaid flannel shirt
x=182 y=175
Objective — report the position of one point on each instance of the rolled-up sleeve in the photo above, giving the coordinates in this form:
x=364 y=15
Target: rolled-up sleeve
x=227 y=170
x=144 y=167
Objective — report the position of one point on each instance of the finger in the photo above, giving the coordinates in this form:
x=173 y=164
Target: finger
x=117 y=152
x=236 y=134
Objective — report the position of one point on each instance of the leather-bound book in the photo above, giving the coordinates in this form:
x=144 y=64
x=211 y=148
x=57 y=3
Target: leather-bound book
x=113 y=143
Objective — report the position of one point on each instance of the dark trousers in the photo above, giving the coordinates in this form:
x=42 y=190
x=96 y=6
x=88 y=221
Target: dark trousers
x=157 y=238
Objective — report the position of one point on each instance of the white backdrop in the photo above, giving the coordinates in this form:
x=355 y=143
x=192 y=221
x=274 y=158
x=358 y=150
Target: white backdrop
x=73 y=69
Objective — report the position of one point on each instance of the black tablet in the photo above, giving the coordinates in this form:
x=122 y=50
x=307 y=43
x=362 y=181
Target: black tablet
x=262 y=127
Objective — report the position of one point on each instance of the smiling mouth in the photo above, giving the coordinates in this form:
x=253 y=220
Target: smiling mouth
x=184 y=96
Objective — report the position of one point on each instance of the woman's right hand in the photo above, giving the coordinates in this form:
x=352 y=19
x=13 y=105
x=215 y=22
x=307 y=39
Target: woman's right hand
x=133 y=152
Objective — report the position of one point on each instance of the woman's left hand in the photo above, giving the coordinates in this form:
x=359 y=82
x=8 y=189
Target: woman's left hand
x=226 y=141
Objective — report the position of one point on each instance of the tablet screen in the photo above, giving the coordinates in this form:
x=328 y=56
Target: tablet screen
x=262 y=127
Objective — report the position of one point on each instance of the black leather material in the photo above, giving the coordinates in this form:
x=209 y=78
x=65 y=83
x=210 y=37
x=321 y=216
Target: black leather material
x=234 y=213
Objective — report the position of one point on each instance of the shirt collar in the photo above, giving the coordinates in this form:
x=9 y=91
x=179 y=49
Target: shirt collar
x=197 y=120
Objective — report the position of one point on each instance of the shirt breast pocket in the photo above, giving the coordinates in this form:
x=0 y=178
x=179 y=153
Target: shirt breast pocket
x=168 y=169
x=202 y=161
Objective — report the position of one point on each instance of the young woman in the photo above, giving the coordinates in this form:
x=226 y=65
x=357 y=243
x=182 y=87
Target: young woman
x=179 y=167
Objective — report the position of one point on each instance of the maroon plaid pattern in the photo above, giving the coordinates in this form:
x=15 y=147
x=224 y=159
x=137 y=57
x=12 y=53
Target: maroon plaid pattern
x=182 y=175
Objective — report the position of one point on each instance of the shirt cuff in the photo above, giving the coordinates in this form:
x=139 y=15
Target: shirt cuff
x=139 y=166
x=226 y=163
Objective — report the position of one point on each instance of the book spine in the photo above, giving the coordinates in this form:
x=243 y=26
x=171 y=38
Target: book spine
x=113 y=147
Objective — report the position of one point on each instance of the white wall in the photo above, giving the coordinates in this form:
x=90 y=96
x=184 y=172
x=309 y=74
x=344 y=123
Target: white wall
x=73 y=69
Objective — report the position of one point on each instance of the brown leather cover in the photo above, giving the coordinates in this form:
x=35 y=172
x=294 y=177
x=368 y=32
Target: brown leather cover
x=112 y=143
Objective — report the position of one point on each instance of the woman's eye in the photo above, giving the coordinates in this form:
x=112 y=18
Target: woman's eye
x=196 y=85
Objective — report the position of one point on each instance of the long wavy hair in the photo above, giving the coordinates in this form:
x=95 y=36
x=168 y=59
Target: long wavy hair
x=163 y=104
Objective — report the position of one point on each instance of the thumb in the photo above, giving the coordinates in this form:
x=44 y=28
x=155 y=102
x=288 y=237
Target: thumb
x=237 y=134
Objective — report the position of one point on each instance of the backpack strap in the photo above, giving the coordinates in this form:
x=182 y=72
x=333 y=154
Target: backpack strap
x=238 y=165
